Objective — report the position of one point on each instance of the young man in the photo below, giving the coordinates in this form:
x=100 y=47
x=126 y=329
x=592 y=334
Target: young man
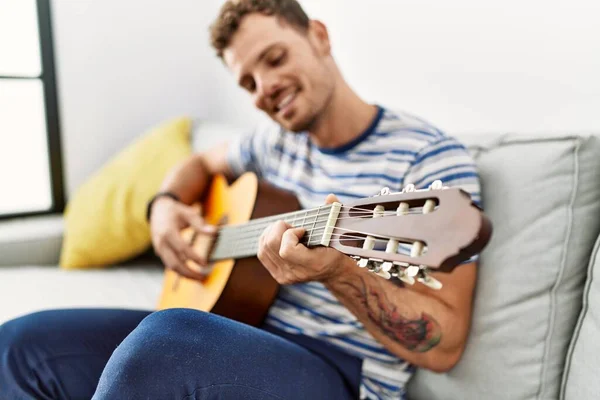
x=335 y=331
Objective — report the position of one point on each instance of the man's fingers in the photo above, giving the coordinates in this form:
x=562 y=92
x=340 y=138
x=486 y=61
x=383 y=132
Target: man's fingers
x=291 y=249
x=199 y=225
x=273 y=233
x=292 y=236
x=185 y=252
x=173 y=262
x=331 y=198
x=271 y=262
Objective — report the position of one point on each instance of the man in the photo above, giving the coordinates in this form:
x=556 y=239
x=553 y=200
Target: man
x=335 y=331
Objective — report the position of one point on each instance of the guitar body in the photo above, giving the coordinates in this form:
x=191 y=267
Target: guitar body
x=242 y=289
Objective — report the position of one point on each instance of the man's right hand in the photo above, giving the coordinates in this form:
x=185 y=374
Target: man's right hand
x=167 y=218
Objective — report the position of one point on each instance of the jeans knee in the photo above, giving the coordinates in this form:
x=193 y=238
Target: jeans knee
x=181 y=322
x=9 y=346
x=160 y=330
x=177 y=317
x=151 y=355
x=16 y=337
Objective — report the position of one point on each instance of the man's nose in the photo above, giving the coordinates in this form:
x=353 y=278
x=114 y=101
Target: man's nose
x=267 y=90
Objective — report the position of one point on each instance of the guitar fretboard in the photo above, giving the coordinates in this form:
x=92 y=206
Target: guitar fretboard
x=240 y=241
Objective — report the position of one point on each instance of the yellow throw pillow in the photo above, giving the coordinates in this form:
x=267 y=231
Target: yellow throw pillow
x=105 y=221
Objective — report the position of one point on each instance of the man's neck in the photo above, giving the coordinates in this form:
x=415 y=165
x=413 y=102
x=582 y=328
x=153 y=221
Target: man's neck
x=346 y=118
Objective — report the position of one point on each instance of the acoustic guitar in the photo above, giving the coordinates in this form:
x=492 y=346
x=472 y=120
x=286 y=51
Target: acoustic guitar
x=441 y=226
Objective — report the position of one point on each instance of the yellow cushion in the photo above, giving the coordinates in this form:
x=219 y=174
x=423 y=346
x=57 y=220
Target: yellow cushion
x=105 y=221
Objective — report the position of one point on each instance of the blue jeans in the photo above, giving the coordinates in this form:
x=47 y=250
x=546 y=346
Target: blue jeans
x=171 y=354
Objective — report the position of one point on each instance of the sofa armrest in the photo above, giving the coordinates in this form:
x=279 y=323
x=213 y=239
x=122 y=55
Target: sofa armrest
x=31 y=240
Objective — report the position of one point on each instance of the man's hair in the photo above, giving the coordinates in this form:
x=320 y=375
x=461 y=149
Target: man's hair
x=233 y=11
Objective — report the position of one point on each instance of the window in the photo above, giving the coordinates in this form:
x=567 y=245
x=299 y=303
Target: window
x=30 y=158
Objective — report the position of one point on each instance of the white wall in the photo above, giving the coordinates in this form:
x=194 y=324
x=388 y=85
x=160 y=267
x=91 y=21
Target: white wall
x=466 y=65
x=123 y=67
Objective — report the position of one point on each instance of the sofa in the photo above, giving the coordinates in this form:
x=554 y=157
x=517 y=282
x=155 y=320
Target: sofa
x=536 y=315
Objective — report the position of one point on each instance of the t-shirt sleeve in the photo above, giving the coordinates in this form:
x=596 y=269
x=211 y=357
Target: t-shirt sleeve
x=449 y=161
x=249 y=152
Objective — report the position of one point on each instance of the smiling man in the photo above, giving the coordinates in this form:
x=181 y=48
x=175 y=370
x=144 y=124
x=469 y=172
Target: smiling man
x=335 y=331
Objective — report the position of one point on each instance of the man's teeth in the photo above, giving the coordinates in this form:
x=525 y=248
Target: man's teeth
x=287 y=100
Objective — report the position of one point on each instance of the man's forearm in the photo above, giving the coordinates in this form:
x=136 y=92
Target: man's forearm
x=188 y=180
x=418 y=328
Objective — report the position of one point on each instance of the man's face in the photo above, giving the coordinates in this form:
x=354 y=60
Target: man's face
x=284 y=70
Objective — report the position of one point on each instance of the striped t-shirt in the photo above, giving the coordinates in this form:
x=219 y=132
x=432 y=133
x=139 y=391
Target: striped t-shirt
x=396 y=149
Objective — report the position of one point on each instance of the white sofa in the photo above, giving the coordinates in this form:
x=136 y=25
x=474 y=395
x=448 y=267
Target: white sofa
x=536 y=315
x=30 y=279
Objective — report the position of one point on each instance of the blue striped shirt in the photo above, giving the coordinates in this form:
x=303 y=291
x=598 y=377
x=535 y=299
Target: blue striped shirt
x=397 y=149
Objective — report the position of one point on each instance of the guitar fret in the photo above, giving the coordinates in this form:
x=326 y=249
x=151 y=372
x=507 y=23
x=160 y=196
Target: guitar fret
x=313 y=225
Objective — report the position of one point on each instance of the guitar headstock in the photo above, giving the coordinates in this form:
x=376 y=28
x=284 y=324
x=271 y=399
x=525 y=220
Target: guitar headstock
x=434 y=229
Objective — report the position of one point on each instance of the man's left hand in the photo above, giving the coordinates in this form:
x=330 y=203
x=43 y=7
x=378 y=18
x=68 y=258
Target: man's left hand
x=289 y=261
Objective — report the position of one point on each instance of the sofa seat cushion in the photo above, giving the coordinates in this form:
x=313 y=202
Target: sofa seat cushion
x=580 y=380
x=28 y=289
x=542 y=194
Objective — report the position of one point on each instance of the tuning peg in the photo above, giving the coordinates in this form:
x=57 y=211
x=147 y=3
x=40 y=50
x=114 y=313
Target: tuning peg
x=362 y=262
x=383 y=192
x=412 y=271
x=376 y=266
x=429 y=281
x=387 y=266
x=409 y=280
x=436 y=185
x=383 y=274
x=408 y=188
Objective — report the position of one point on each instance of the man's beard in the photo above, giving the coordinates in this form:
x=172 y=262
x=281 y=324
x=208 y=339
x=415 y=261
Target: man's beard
x=305 y=125
x=312 y=120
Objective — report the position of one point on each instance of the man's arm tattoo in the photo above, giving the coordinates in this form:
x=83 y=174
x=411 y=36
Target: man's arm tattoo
x=420 y=334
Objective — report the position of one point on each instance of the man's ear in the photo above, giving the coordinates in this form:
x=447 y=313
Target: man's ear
x=320 y=36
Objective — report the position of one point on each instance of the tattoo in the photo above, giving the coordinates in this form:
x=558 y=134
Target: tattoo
x=420 y=335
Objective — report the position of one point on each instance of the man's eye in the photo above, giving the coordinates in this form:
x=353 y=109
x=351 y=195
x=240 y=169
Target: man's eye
x=277 y=60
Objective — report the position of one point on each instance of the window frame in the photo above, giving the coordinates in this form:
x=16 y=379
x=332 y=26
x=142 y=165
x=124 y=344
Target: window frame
x=48 y=79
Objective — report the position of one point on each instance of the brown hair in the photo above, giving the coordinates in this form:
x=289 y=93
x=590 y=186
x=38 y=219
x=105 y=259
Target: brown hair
x=232 y=12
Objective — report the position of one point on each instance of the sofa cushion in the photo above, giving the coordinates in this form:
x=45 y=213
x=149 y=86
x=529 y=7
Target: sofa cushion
x=542 y=194
x=135 y=284
x=105 y=220
x=583 y=361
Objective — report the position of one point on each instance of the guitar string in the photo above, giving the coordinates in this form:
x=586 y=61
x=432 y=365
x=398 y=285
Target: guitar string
x=323 y=217
x=241 y=227
x=311 y=213
x=303 y=213
x=250 y=247
x=249 y=230
x=254 y=245
x=252 y=241
x=341 y=236
x=253 y=250
x=242 y=233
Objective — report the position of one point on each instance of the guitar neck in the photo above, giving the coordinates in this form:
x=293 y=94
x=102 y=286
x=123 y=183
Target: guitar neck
x=240 y=241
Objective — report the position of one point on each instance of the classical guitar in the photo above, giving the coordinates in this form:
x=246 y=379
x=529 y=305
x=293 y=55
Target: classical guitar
x=441 y=226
